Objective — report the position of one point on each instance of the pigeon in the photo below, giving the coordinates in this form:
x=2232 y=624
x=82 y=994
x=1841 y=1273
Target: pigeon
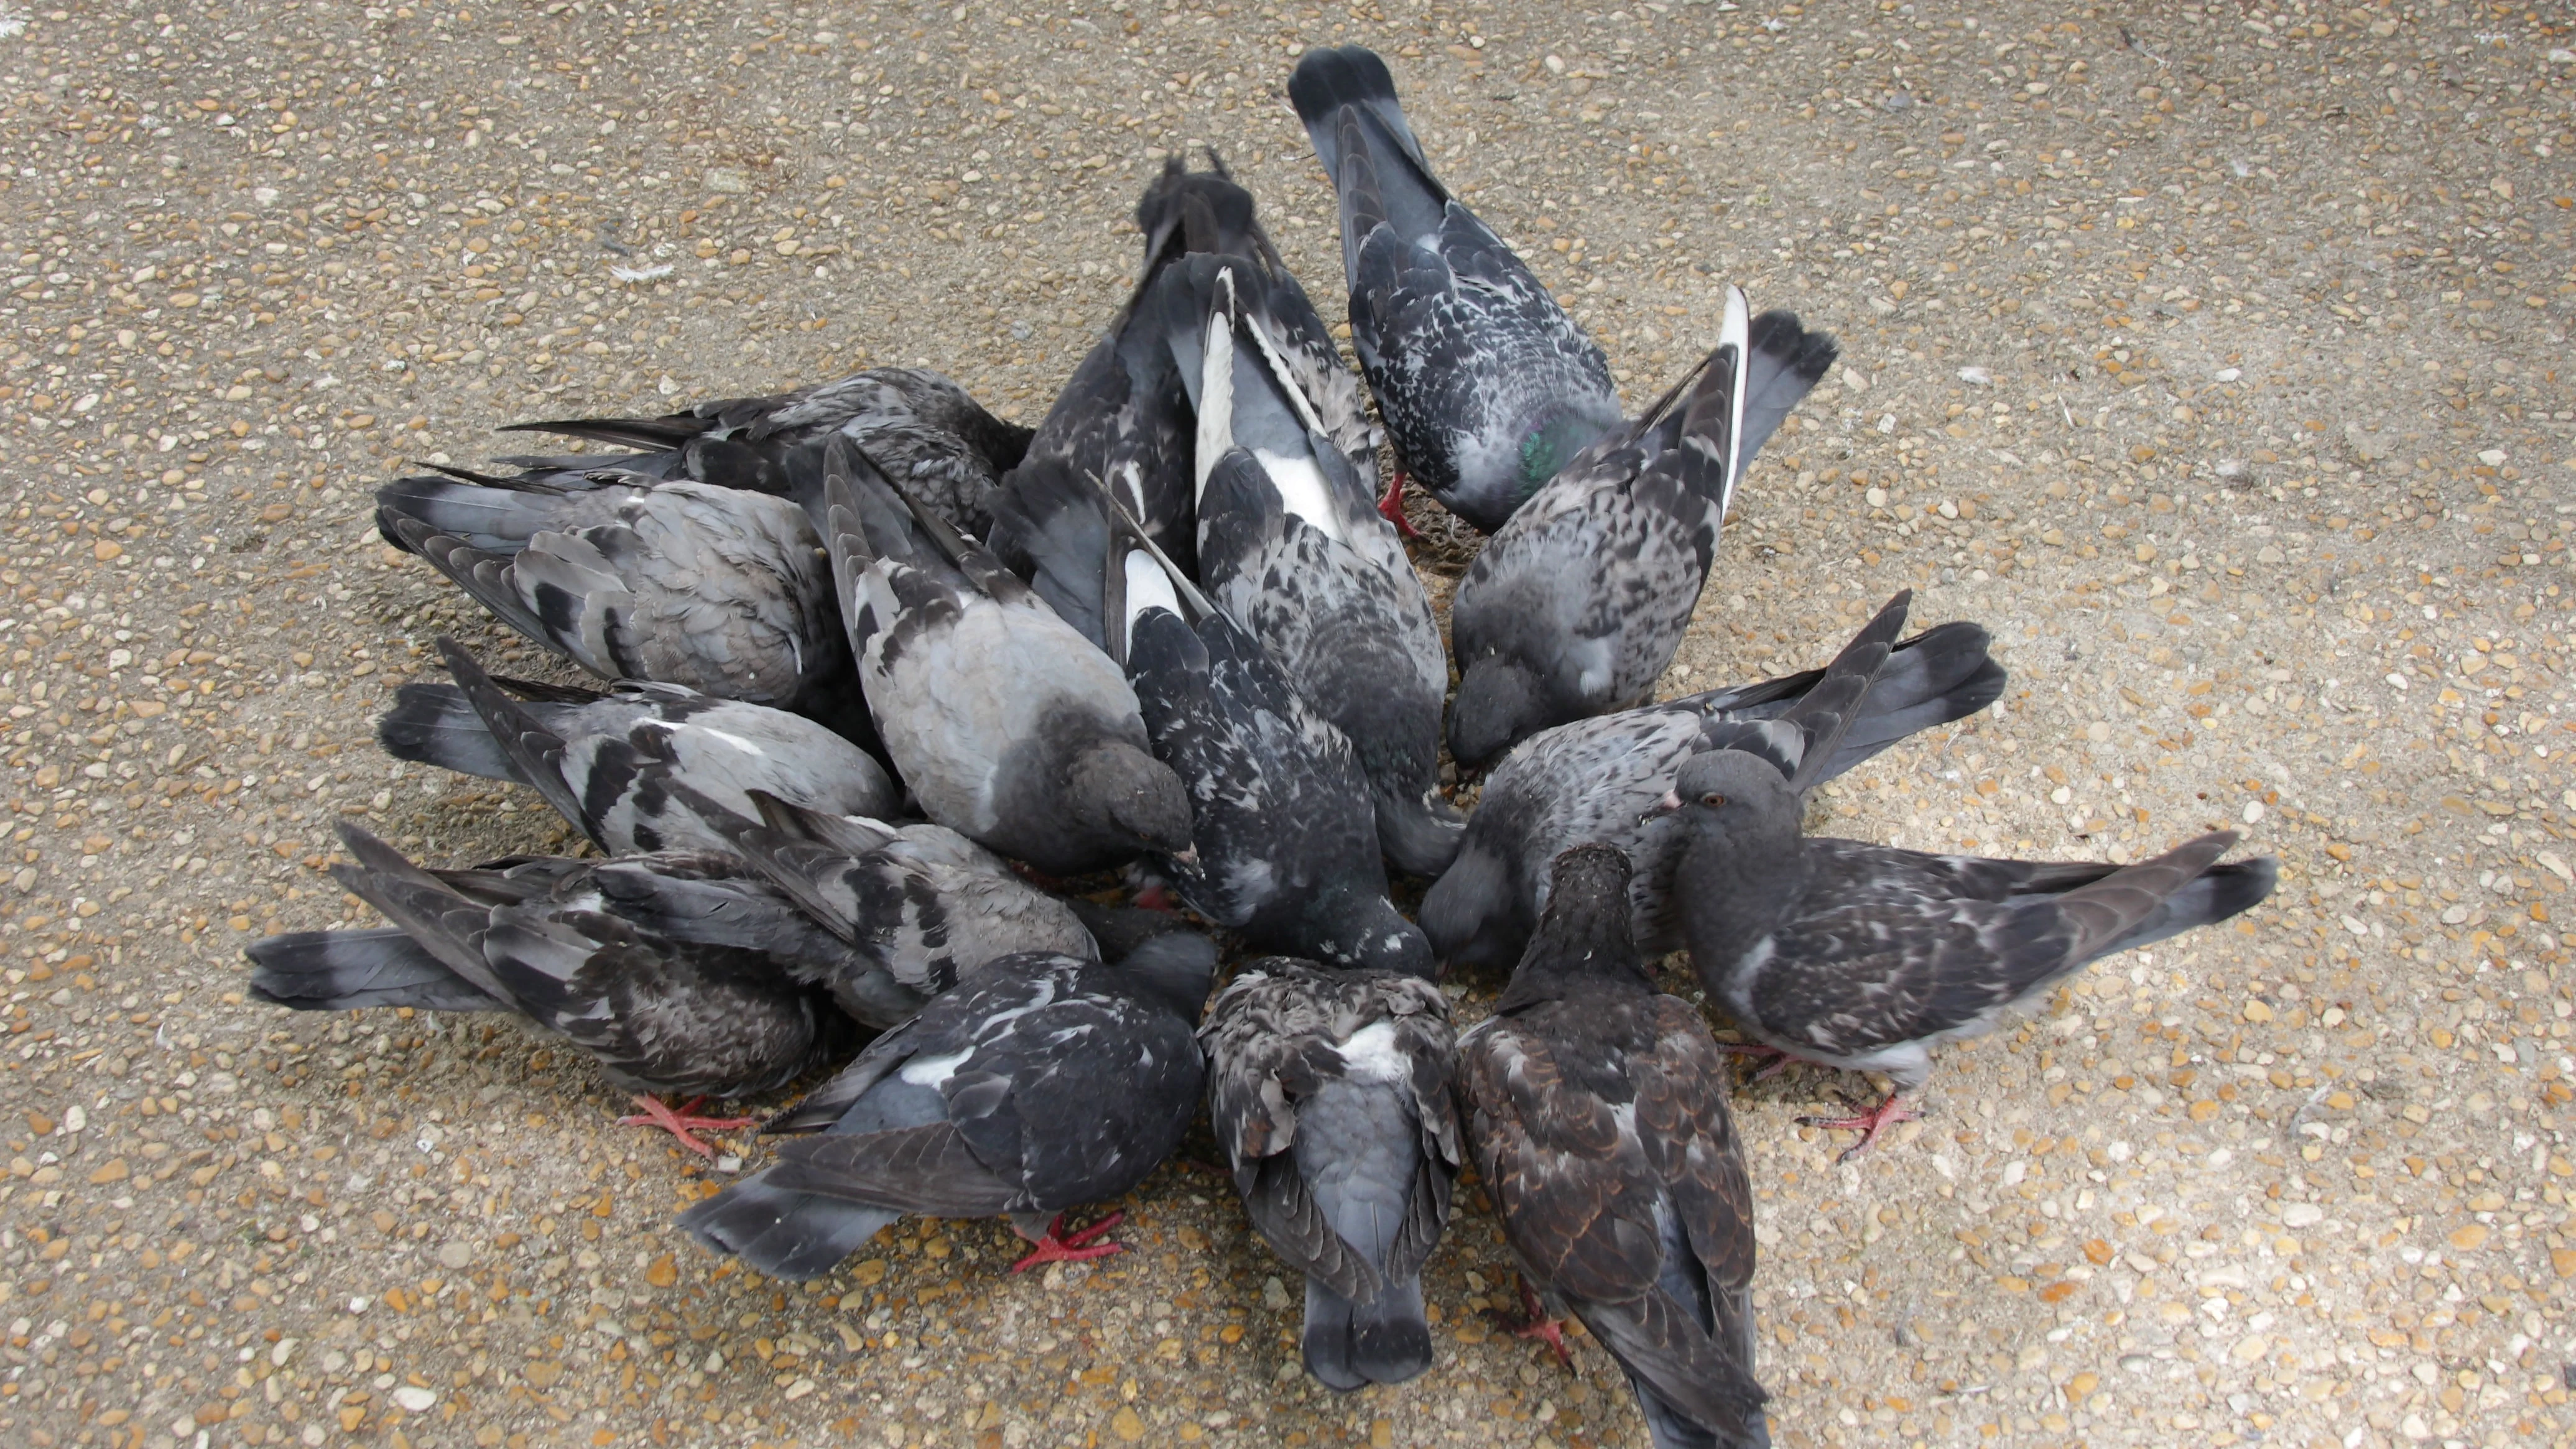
x=1280 y=820
x=1040 y=1082
x=609 y=966
x=1864 y=957
x=922 y=428
x=1486 y=385
x=1010 y=727
x=918 y=904
x=1576 y=605
x=1290 y=546
x=630 y=577
x=1331 y=1093
x=1601 y=779
x=608 y=762
x=1596 y=1109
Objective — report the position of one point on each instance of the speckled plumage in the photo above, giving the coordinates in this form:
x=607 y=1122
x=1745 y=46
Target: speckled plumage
x=1330 y=1091
x=1597 y=1111
x=1039 y=1083
x=1601 y=778
x=1486 y=385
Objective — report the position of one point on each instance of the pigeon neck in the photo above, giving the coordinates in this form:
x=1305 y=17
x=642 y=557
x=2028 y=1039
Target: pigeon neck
x=1582 y=946
x=1743 y=879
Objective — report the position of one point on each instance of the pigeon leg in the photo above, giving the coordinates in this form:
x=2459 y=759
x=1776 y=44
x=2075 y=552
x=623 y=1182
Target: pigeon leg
x=682 y=1122
x=1533 y=1322
x=1868 y=1122
x=1158 y=897
x=1779 y=1060
x=1391 y=504
x=1055 y=1247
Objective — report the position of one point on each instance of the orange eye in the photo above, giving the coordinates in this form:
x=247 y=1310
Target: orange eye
x=1712 y=800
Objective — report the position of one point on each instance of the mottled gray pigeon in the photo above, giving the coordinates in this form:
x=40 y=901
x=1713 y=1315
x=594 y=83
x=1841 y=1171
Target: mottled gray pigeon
x=1038 y=1084
x=608 y=762
x=921 y=427
x=630 y=577
x=1596 y=1108
x=1864 y=957
x=1575 y=607
x=616 y=957
x=1330 y=1091
x=1291 y=547
x=1486 y=385
x=1601 y=778
x=1010 y=727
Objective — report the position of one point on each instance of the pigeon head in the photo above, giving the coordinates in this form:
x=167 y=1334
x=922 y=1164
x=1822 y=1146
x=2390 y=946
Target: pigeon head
x=1730 y=792
x=1176 y=968
x=1126 y=793
x=1472 y=914
x=1499 y=704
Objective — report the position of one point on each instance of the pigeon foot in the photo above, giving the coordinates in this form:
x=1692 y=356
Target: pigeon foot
x=1779 y=1061
x=1868 y=1122
x=1391 y=504
x=1057 y=1248
x=682 y=1122
x=1533 y=1322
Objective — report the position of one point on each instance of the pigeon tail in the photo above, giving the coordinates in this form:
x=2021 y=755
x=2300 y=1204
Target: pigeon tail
x=353 y=970
x=2216 y=894
x=492 y=519
x=1420 y=837
x=1349 y=1345
x=1939 y=675
x=1784 y=363
x=535 y=753
x=1185 y=211
x=434 y=724
x=1346 y=99
x=784 y=1234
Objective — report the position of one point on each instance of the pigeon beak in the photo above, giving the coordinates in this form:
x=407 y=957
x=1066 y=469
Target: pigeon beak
x=1189 y=857
x=1666 y=806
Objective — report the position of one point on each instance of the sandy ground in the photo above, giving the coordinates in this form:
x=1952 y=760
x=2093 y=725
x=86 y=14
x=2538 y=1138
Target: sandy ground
x=2210 y=355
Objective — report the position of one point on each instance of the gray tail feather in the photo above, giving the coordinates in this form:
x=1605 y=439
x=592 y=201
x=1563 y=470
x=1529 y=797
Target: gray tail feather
x=2216 y=894
x=1351 y=1345
x=1939 y=675
x=1421 y=837
x=1786 y=363
x=495 y=519
x=783 y=1234
x=433 y=724
x=351 y=970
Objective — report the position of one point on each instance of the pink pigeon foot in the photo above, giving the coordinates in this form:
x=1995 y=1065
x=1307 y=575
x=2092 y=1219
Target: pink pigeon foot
x=1057 y=1248
x=1533 y=1322
x=683 y=1121
x=1868 y=1123
x=1391 y=504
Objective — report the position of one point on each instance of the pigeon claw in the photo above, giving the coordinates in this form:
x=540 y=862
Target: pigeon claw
x=1779 y=1061
x=1532 y=1322
x=682 y=1122
x=1868 y=1122
x=1391 y=504
x=1055 y=1247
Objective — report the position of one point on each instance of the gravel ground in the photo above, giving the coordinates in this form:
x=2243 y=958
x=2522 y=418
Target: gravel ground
x=2208 y=354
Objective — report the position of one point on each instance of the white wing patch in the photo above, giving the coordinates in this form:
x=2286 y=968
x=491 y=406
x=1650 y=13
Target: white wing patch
x=1370 y=1055
x=933 y=1071
x=1303 y=493
x=1216 y=388
x=1148 y=587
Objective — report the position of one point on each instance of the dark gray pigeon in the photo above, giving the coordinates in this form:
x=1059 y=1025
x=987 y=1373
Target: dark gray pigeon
x=1575 y=607
x=1330 y=1091
x=1864 y=957
x=924 y=429
x=1602 y=778
x=1040 y=1083
x=608 y=762
x=1010 y=727
x=1486 y=385
x=630 y=577
x=618 y=958
x=1596 y=1108
x=1291 y=546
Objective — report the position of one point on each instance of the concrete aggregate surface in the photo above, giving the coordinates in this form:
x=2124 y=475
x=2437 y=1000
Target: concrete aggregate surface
x=2211 y=354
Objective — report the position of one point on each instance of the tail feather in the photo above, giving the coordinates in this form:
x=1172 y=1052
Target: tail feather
x=655 y=434
x=2218 y=893
x=2140 y=898
x=1939 y=675
x=432 y=724
x=496 y=520
x=1786 y=362
x=351 y=970
x=783 y=1234
x=535 y=753
x=1346 y=99
x=1351 y=1345
x=1185 y=211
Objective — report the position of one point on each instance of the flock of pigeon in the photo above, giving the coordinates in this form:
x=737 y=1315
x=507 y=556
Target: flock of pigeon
x=891 y=677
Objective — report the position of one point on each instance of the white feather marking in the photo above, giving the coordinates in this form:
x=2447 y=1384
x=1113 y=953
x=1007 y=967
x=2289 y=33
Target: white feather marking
x=1216 y=387
x=1287 y=380
x=932 y=1071
x=1736 y=332
x=1303 y=493
x=1370 y=1055
x=735 y=740
x=1148 y=587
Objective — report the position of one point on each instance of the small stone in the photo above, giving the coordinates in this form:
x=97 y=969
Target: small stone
x=663 y=1272
x=453 y=1255
x=2469 y=1237
x=720 y=178
x=1126 y=1425
x=414 y=1399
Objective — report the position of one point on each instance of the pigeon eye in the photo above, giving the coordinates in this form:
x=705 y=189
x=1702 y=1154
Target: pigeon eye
x=1712 y=800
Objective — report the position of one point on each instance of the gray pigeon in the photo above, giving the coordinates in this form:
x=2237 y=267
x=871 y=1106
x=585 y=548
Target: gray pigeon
x=1040 y=1083
x=1330 y=1091
x=608 y=762
x=1575 y=607
x=1596 y=1108
x=615 y=957
x=1291 y=547
x=1864 y=957
x=1601 y=778
x=1486 y=385
x=630 y=577
x=924 y=429
x=1010 y=727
